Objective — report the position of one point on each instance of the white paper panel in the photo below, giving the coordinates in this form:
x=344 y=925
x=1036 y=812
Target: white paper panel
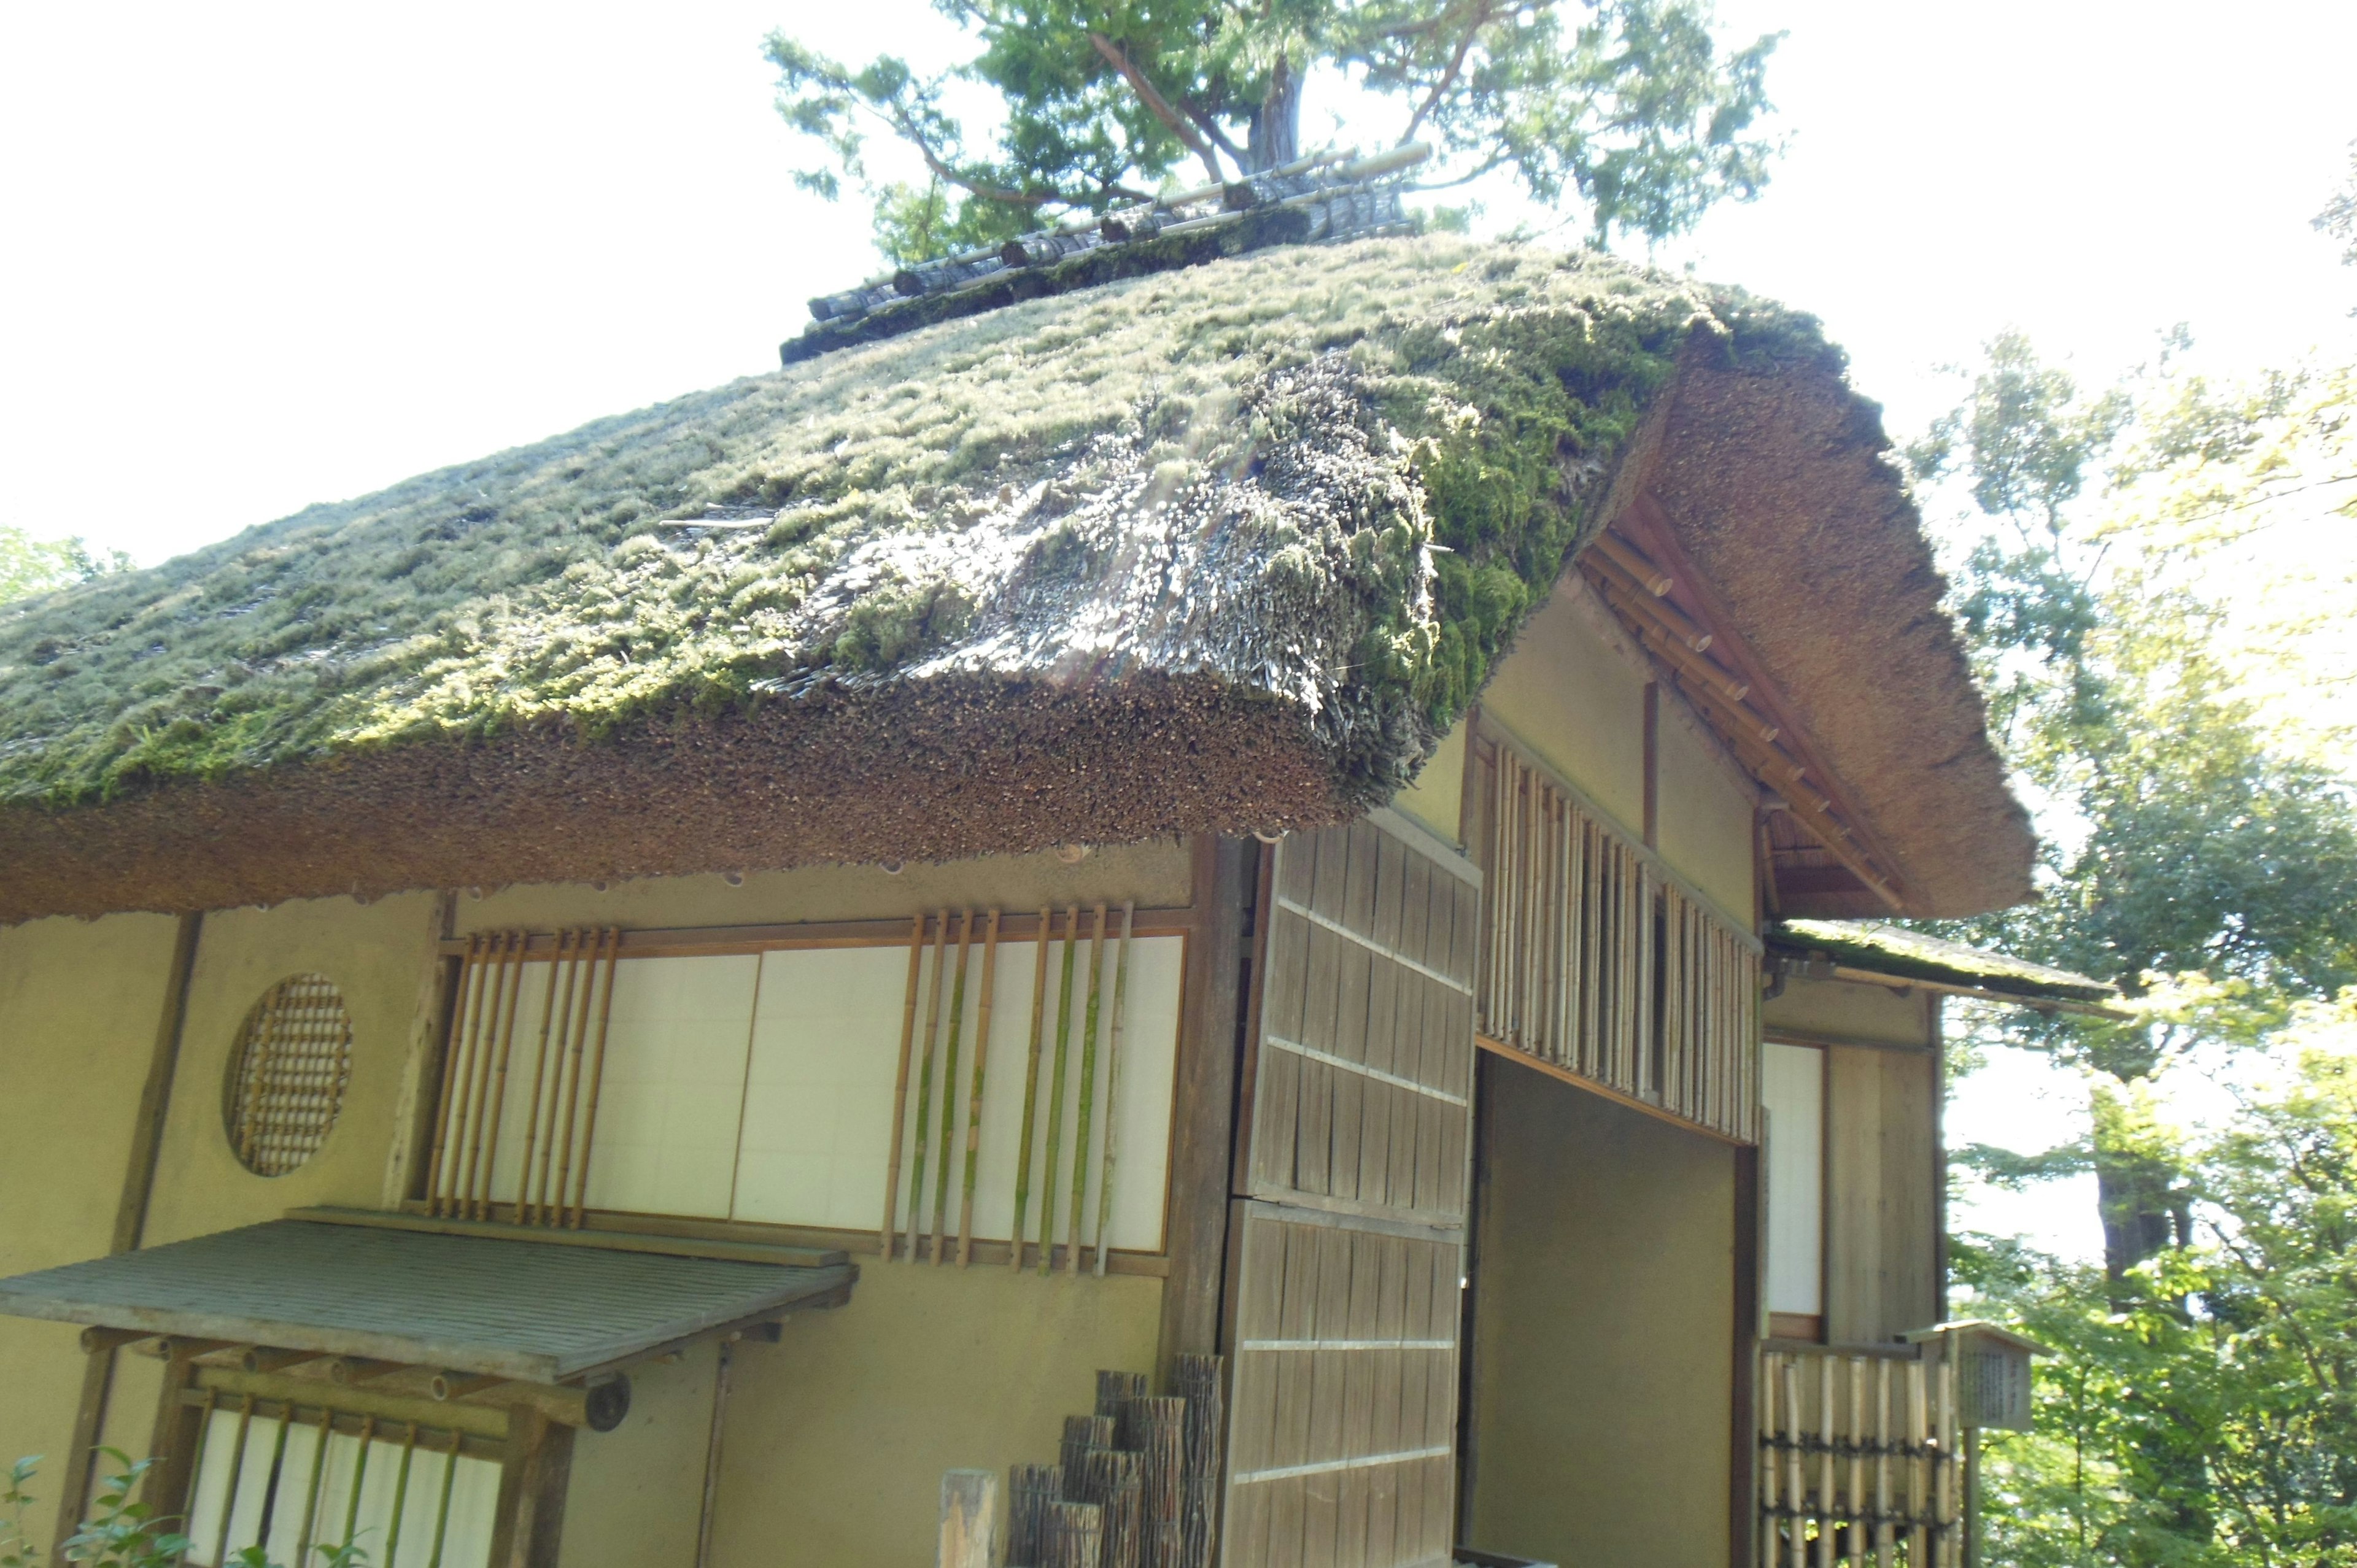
x=817 y=1129
x=674 y=1082
x=1793 y=1086
x=466 y=1533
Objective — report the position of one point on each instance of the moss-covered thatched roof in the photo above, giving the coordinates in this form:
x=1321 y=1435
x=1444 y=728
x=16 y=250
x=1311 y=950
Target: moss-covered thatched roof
x=1226 y=547
x=1911 y=955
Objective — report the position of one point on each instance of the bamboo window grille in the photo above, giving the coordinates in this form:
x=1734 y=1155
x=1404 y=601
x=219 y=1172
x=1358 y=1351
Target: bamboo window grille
x=1859 y=1466
x=1596 y=962
x=557 y=1073
x=288 y=1073
x=297 y=1478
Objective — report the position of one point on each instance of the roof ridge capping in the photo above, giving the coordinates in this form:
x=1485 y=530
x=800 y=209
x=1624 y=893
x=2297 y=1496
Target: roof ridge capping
x=1219 y=548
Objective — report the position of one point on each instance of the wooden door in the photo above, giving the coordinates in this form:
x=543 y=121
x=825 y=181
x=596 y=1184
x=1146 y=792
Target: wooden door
x=1350 y=1241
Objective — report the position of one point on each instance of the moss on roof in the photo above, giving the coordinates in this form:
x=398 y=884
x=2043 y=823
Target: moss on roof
x=1231 y=471
x=1894 y=951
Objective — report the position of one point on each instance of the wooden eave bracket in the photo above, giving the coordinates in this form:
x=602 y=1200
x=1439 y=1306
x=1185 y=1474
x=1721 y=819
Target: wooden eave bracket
x=1687 y=632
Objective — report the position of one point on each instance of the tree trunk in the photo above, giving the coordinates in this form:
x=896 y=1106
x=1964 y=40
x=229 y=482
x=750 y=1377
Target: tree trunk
x=2142 y=1209
x=1276 y=136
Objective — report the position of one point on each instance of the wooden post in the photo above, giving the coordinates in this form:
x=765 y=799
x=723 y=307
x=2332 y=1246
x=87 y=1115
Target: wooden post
x=1228 y=934
x=180 y=1427
x=886 y=1237
x=529 y=1519
x=969 y=1520
x=130 y=1224
x=1030 y=1096
x=950 y=1090
x=710 y=1506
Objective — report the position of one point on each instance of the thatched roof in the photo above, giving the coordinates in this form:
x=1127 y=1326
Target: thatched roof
x=1894 y=951
x=1152 y=557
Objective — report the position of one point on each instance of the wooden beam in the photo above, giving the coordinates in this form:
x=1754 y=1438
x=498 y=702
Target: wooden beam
x=529 y=1522
x=606 y=1240
x=701 y=942
x=1204 y=1107
x=1644 y=1107
x=130 y=1225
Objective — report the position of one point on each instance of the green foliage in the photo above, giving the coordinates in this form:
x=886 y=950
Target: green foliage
x=2339 y=218
x=30 y=565
x=2205 y=1416
x=1629 y=107
x=119 y=1533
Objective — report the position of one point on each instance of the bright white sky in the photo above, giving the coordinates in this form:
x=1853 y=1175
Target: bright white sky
x=258 y=255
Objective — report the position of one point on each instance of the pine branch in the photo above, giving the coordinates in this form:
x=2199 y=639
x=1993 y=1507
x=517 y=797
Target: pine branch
x=1156 y=104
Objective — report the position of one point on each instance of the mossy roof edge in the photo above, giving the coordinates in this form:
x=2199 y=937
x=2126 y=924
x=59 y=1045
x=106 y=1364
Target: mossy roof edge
x=1904 y=954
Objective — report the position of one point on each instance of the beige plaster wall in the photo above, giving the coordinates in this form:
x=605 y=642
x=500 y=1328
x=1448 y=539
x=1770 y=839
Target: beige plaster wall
x=1570 y=696
x=836 y=1437
x=636 y=1492
x=1437 y=799
x=1158 y=875
x=379 y=956
x=1705 y=819
x=80 y=1002
x=1840 y=1011
x=1603 y=1333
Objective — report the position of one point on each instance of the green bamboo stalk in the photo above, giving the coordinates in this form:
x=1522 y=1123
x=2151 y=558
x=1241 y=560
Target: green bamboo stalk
x=442 y=1508
x=974 y=1102
x=950 y=1087
x=1056 y=1090
x=400 y=1498
x=888 y=1237
x=1113 y=1080
x=359 y=1478
x=1031 y=1092
x=311 y=1491
x=925 y=1087
x=1088 y=1094
x=236 y=1473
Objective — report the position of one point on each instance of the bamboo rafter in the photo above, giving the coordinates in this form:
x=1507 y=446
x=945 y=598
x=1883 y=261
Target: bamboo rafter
x=1859 y=1462
x=1677 y=619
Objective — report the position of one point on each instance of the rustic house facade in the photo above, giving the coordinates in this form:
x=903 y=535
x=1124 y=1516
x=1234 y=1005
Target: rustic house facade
x=641 y=1000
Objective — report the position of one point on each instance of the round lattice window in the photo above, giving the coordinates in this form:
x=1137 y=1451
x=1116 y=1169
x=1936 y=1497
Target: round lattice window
x=287 y=1077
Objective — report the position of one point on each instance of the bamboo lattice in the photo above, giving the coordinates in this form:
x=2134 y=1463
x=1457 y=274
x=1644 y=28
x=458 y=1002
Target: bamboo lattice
x=557 y=1075
x=1859 y=1461
x=293 y=1061
x=1596 y=962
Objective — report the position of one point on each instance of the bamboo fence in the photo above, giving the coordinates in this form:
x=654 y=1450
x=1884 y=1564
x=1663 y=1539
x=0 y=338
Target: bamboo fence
x=1859 y=1462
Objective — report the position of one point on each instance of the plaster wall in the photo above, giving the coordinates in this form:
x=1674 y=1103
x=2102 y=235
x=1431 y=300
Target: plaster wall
x=1842 y=1011
x=1705 y=819
x=379 y=956
x=1603 y=1330
x=1437 y=799
x=80 y=1003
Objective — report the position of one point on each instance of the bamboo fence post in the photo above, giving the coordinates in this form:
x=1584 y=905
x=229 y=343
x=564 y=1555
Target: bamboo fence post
x=1088 y=1093
x=1031 y=1092
x=1883 y=1533
x=1769 y=1520
x=1826 y=1504
x=969 y=1530
x=312 y=1489
x=1083 y=1435
x=236 y=1471
x=1944 y=1512
x=591 y=941
x=1056 y=1091
x=1109 y=1479
x=596 y=1077
x=925 y=1083
x=360 y=1478
x=1113 y=1080
x=494 y=1109
x=1857 y=1458
x=1795 y=1494
x=1073 y=1536
x=458 y=1067
x=950 y=1090
x=1158 y=1430
x=974 y=1102
x=560 y=962
x=886 y=1238
x=1029 y=1489
x=1198 y=1378
x=1916 y=1490
x=400 y=1494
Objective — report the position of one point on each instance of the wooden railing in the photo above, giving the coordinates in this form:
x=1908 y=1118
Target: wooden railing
x=1859 y=1458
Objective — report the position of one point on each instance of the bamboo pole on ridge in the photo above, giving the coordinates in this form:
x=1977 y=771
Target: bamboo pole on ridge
x=974 y=1102
x=888 y=1238
x=1030 y=1093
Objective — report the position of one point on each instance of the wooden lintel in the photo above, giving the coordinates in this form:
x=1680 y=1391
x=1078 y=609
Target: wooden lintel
x=745 y=1252
x=1644 y=1107
x=702 y=941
